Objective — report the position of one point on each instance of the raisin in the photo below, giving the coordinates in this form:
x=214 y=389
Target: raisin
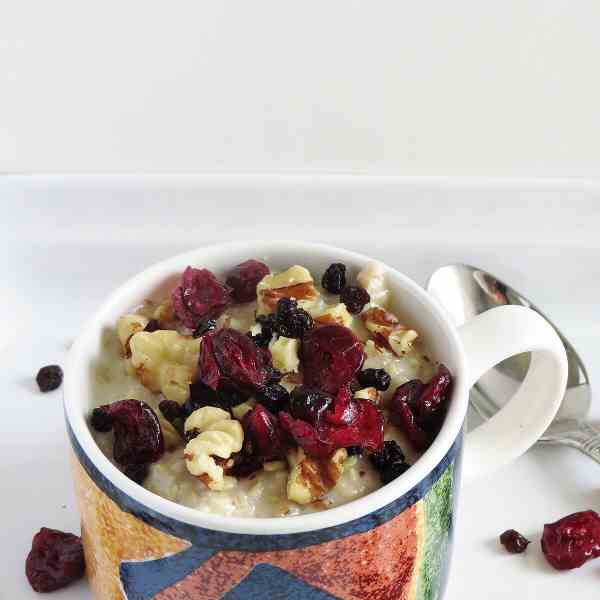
x=291 y=321
x=199 y=296
x=228 y=356
x=355 y=298
x=203 y=327
x=137 y=473
x=573 y=540
x=274 y=397
x=334 y=278
x=308 y=403
x=138 y=436
x=331 y=356
x=263 y=430
x=101 y=420
x=390 y=462
x=514 y=542
x=153 y=325
x=244 y=278
x=54 y=561
x=377 y=378
x=49 y=378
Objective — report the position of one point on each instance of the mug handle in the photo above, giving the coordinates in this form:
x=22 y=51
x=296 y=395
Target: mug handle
x=490 y=338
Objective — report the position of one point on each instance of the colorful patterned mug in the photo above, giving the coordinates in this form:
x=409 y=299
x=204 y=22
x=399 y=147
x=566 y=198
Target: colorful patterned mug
x=394 y=543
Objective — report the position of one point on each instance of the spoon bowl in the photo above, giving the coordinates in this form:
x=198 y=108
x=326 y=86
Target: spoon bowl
x=466 y=291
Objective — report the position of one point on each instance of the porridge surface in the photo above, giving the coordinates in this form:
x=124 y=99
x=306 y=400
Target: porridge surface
x=263 y=493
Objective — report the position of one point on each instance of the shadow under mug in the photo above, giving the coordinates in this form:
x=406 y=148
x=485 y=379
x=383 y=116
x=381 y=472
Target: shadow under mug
x=394 y=543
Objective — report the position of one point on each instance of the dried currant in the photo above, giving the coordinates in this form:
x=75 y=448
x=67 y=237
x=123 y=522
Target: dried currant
x=274 y=397
x=203 y=327
x=291 y=321
x=137 y=473
x=267 y=328
x=573 y=540
x=49 y=378
x=228 y=356
x=202 y=395
x=308 y=403
x=355 y=298
x=377 y=378
x=152 y=325
x=54 y=561
x=170 y=410
x=354 y=451
x=190 y=434
x=514 y=542
x=262 y=429
x=199 y=296
x=390 y=462
x=244 y=278
x=101 y=420
x=331 y=356
x=138 y=436
x=334 y=278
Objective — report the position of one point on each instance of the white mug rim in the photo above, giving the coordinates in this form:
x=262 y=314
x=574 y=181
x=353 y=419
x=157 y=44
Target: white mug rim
x=76 y=374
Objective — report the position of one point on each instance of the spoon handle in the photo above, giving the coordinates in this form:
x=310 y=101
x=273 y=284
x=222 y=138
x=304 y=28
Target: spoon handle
x=585 y=438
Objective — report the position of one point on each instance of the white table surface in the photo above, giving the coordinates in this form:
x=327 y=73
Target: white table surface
x=70 y=244
x=464 y=87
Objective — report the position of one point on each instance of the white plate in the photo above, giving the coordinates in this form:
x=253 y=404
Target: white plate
x=67 y=242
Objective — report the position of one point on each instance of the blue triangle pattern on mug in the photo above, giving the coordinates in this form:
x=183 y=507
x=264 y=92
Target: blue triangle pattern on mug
x=281 y=585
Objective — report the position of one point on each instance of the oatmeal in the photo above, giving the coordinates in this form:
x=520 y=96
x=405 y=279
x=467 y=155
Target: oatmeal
x=265 y=394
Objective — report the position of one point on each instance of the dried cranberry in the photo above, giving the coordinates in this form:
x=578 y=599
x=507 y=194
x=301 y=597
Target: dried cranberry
x=138 y=436
x=403 y=416
x=308 y=403
x=419 y=409
x=331 y=356
x=334 y=278
x=377 y=378
x=305 y=435
x=137 y=473
x=274 y=397
x=228 y=356
x=262 y=428
x=514 y=542
x=573 y=540
x=49 y=378
x=199 y=296
x=55 y=560
x=365 y=431
x=101 y=420
x=344 y=409
x=203 y=327
x=152 y=325
x=244 y=278
x=435 y=395
x=390 y=462
x=355 y=298
x=291 y=321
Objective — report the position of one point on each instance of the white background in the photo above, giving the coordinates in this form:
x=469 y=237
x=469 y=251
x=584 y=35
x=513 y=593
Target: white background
x=430 y=87
x=71 y=243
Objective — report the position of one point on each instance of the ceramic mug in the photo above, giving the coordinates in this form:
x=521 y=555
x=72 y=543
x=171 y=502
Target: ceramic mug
x=394 y=543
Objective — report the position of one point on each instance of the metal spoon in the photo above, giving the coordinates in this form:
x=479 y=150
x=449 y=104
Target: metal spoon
x=465 y=292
